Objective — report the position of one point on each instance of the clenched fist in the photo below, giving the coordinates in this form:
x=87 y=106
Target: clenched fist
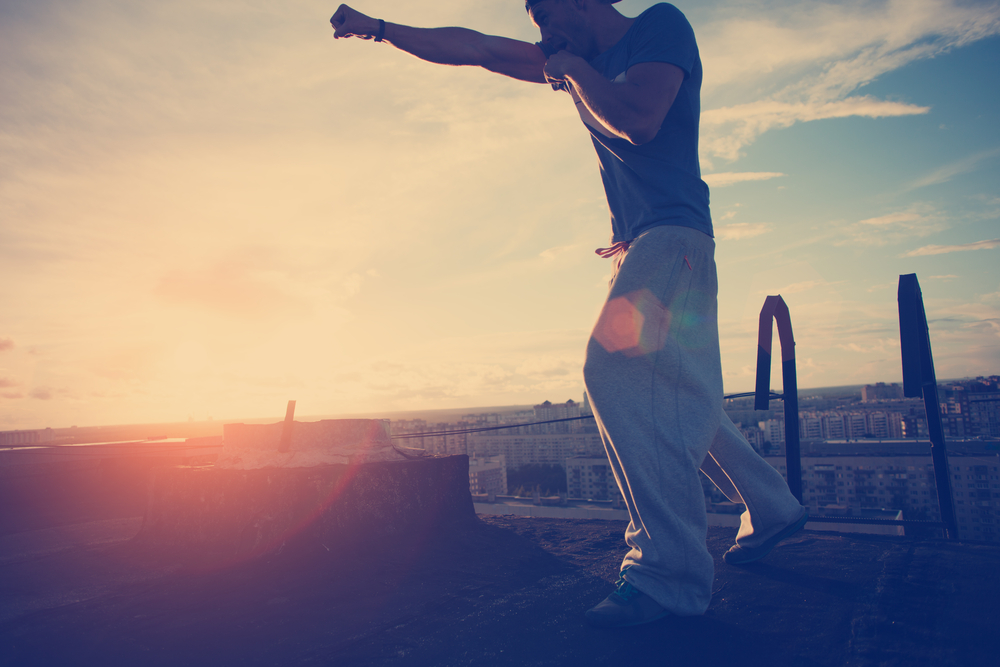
x=349 y=22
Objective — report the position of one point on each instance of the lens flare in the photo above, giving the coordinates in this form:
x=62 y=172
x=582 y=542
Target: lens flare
x=634 y=324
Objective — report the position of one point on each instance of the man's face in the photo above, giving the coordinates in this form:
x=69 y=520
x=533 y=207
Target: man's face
x=563 y=26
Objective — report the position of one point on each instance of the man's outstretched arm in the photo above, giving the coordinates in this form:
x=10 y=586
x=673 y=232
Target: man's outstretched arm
x=448 y=46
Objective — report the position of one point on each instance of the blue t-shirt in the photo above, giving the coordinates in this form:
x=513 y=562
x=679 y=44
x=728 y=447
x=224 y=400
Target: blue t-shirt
x=659 y=182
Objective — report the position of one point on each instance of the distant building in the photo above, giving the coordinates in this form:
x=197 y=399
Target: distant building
x=907 y=483
x=774 y=431
x=984 y=414
x=523 y=448
x=549 y=411
x=421 y=436
x=488 y=475
x=833 y=427
x=881 y=392
x=33 y=437
x=754 y=436
x=591 y=477
x=971 y=408
x=810 y=427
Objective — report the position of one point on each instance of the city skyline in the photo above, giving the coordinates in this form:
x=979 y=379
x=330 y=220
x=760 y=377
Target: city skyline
x=208 y=210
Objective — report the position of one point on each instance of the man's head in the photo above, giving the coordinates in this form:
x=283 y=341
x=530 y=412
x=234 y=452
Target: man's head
x=569 y=24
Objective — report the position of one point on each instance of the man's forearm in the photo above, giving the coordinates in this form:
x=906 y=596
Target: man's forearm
x=447 y=46
x=613 y=105
x=462 y=46
x=633 y=109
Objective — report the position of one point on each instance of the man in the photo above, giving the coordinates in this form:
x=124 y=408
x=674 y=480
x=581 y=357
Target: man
x=653 y=371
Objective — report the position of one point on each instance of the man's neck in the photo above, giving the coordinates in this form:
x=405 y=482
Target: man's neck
x=610 y=27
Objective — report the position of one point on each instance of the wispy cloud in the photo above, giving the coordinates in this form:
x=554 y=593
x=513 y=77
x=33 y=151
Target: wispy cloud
x=41 y=394
x=6 y=344
x=945 y=249
x=773 y=64
x=905 y=218
x=723 y=179
x=915 y=221
x=957 y=168
x=729 y=129
x=741 y=230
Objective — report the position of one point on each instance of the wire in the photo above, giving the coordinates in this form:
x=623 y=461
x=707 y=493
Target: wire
x=427 y=434
x=105 y=447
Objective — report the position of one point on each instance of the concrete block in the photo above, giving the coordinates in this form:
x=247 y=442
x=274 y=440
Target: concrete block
x=212 y=512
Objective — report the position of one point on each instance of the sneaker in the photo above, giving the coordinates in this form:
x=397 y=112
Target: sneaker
x=626 y=607
x=738 y=555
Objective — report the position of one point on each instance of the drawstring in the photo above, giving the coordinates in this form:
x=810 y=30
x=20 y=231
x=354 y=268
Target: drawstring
x=616 y=252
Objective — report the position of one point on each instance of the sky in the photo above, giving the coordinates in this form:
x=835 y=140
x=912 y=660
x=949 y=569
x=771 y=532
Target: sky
x=210 y=208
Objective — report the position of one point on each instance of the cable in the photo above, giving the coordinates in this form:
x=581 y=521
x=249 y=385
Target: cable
x=51 y=449
x=408 y=436
x=427 y=434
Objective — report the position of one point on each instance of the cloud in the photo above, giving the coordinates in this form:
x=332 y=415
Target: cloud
x=551 y=254
x=945 y=249
x=352 y=285
x=729 y=129
x=918 y=220
x=773 y=64
x=7 y=383
x=246 y=284
x=902 y=217
x=957 y=168
x=741 y=230
x=6 y=344
x=41 y=394
x=724 y=179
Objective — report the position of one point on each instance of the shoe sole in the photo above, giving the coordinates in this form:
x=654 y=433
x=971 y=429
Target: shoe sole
x=766 y=548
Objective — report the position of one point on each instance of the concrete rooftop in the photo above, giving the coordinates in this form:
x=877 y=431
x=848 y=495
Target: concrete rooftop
x=505 y=591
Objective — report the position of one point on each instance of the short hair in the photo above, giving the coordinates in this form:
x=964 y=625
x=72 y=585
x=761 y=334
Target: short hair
x=528 y=4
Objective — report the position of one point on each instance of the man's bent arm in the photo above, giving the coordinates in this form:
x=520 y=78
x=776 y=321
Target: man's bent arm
x=449 y=46
x=633 y=110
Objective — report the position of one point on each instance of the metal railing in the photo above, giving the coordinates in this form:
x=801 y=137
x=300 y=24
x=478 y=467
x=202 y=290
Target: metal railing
x=918 y=380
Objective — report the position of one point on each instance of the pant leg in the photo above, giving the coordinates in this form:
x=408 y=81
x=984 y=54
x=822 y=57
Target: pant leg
x=653 y=375
x=770 y=506
x=654 y=379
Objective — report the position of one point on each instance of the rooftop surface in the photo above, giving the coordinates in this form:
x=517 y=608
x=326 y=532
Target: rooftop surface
x=505 y=591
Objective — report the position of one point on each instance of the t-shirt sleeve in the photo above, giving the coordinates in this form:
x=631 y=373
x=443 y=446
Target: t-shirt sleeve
x=665 y=36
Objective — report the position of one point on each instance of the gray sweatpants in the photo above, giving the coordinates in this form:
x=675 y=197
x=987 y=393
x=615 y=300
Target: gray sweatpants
x=654 y=378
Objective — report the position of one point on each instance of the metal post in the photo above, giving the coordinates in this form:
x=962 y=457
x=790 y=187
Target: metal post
x=776 y=310
x=919 y=380
x=286 y=429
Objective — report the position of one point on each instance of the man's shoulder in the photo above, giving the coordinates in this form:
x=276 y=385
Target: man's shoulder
x=660 y=15
x=662 y=11
x=662 y=23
